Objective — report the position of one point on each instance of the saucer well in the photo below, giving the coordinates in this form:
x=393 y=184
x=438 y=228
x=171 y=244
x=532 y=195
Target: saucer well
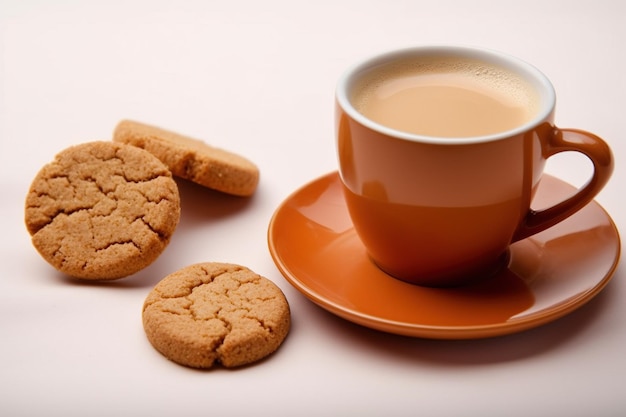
x=313 y=243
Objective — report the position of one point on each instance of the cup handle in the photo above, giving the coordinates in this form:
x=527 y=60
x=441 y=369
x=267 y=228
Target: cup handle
x=564 y=140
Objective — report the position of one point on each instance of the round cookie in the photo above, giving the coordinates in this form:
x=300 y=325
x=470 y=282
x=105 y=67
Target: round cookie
x=211 y=313
x=102 y=210
x=192 y=159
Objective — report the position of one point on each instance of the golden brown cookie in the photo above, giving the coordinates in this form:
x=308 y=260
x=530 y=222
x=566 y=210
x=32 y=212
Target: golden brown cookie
x=192 y=159
x=215 y=312
x=102 y=210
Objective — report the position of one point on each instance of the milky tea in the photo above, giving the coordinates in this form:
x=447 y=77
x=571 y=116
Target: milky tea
x=445 y=97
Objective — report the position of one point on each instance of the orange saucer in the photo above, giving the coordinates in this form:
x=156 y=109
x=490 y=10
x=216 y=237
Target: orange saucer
x=314 y=245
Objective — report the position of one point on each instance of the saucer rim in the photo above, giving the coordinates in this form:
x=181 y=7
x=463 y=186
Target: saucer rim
x=411 y=329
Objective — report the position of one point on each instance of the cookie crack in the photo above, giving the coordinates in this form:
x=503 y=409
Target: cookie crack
x=120 y=243
x=142 y=219
x=66 y=212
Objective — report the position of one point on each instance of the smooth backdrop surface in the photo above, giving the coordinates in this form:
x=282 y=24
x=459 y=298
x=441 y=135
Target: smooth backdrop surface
x=257 y=78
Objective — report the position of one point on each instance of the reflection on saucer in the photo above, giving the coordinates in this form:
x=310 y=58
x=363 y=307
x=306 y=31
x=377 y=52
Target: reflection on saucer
x=488 y=302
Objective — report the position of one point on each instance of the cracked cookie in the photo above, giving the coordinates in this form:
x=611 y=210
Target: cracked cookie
x=192 y=159
x=102 y=210
x=211 y=313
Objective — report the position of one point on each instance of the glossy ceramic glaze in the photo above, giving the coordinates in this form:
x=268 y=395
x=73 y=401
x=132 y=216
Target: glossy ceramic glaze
x=443 y=211
x=313 y=243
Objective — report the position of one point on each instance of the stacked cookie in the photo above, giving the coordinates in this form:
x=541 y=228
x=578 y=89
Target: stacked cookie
x=105 y=210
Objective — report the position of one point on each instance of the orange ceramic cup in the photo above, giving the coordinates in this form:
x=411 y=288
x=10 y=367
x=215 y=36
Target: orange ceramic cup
x=442 y=211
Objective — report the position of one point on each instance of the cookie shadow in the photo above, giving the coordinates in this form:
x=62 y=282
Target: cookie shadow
x=201 y=204
x=146 y=278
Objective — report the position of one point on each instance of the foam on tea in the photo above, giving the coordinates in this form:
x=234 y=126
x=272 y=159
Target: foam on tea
x=445 y=97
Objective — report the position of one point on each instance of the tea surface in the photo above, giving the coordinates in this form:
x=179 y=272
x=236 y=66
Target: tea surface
x=446 y=99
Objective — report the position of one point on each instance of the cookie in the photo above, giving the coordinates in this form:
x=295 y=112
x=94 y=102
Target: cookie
x=212 y=313
x=102 y=210
x=192 y=159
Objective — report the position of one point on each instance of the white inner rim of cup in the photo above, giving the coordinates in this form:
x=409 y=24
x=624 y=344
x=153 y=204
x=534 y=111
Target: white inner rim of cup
x=532 y=75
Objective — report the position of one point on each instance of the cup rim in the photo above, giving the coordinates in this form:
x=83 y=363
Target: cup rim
x=521 y=67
